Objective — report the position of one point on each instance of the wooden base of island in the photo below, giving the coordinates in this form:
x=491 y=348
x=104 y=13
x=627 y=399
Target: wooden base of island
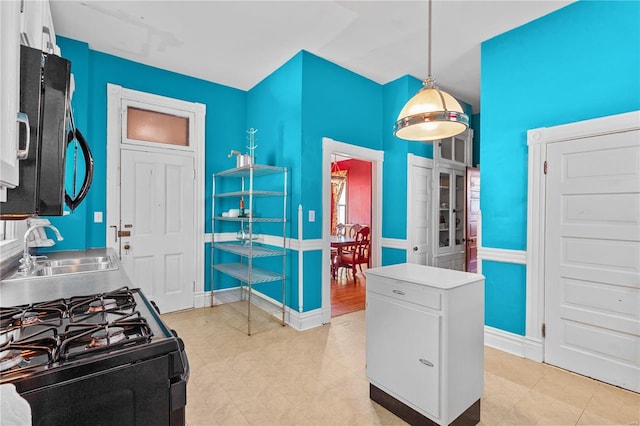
x=471 y=416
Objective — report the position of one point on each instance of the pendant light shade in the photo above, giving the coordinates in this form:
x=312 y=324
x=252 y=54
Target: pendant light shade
x=431 y=114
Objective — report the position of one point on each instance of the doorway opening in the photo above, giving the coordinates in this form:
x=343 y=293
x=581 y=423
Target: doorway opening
x=363 y=206
x=350 y=220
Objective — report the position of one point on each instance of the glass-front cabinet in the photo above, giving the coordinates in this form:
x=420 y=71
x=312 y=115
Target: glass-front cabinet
x=451 y=208
x=452 y=156
x=456 y=149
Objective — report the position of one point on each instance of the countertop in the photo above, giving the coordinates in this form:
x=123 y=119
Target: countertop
x=38 y=289
x=426 y=275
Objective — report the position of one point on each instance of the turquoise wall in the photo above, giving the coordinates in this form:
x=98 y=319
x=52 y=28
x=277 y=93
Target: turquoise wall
x=304 y=100
x=343 y=106
x=274 y=108
x=504 y=294
x=578 y=63
x=225 y=127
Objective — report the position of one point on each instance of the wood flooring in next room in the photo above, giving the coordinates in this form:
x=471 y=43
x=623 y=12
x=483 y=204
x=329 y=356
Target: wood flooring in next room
x=348 y=294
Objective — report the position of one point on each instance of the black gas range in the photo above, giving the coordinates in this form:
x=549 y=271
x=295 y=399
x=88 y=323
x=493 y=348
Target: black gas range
x=100 y=359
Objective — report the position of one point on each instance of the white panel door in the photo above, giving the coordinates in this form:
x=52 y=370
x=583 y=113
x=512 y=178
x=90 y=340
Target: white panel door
x=592 y=276
x=419 y=215
x=157 y=198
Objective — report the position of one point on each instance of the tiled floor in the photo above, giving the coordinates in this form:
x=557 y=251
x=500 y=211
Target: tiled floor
x=280 y=376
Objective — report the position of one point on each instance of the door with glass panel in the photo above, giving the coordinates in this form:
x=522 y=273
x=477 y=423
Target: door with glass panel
x=157 y=227
x=451 y=211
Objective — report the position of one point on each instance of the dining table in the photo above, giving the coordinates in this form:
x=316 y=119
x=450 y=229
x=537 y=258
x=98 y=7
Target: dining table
x=340 y=241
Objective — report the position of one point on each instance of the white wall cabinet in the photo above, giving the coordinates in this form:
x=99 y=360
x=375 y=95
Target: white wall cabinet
x=455 y=150
x=452 y=155
x=425 y=342
x=36 y=27
x=9 y=95
x=28 y=23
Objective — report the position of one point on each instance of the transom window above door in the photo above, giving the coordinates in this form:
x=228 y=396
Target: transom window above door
x=151 y=125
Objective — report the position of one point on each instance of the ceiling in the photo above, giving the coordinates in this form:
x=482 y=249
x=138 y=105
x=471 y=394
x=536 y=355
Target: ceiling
x=239 y=43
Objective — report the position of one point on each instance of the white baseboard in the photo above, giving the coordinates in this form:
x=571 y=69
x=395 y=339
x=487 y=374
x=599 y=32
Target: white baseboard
x=202 y=299
x=513 y=343
x=299 y=321
x=305 y=320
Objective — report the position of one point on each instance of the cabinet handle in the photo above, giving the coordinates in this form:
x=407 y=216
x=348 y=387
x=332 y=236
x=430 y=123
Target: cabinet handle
x=49 y=43
x=415 y=248
x=425 y=362
x=400 y=292
x=23 y=118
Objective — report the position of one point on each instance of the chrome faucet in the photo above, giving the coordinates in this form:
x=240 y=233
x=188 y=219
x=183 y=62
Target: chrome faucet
x=28 y=262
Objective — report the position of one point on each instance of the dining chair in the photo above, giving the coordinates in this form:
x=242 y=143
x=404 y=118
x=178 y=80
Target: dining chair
x=340 y=231
x=359 y=255
x=353 y=230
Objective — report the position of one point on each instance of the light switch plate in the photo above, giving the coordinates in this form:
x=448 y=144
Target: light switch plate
x=97 y=217
x=312 y=215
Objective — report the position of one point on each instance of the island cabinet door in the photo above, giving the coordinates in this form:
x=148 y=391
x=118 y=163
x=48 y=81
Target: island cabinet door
x=403 y=346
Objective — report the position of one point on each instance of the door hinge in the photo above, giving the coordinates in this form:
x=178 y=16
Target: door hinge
x=194 y=286
x=544 y=330
x=194 y=174
x=545 y=167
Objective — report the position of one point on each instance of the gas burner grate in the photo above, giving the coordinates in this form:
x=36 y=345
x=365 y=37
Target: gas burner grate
x=83 y=339
x=55 y=309
x=37 y=350
x=117 y=301
x=17 y=322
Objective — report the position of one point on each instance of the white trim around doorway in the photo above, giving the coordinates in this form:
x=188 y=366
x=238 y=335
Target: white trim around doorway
x=537 y=141
x=115 y=95
x=330 y=147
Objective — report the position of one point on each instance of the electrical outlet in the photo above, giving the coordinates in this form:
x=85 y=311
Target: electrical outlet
x=97 y=217
x=312 y=215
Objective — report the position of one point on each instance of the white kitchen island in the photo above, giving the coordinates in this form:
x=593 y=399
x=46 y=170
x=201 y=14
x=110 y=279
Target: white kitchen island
x=425 y=343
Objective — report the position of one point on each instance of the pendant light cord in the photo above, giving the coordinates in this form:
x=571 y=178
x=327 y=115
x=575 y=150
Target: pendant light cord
x=429 y=43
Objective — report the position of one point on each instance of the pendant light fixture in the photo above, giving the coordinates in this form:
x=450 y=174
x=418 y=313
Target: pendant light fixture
x=431 y=114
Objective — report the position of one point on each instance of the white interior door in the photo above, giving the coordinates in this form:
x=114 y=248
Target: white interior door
x=592 y=276
x=419 y=214
x=157 y=209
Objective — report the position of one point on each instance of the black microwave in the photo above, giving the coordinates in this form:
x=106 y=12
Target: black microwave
x=45 y=99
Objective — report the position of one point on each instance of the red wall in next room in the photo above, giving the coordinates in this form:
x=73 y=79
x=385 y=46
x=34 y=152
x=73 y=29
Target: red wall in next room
x=358 y=190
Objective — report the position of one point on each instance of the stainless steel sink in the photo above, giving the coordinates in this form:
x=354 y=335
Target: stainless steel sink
x=47 y=271
x=77 y=261
x=74 y=265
